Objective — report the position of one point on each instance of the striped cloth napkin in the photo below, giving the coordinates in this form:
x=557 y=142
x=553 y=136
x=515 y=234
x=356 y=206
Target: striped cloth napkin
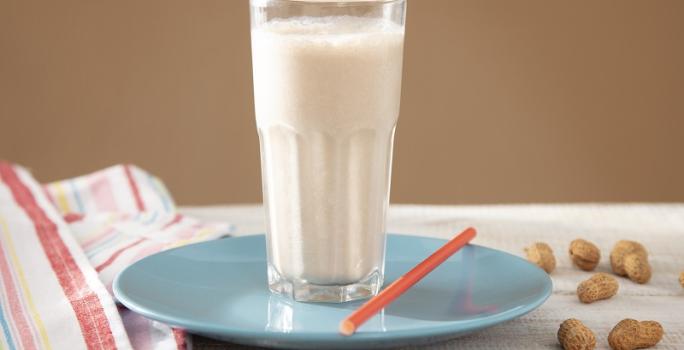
x=62 y=244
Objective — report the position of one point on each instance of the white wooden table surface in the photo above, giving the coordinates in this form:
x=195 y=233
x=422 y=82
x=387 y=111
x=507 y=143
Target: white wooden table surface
x=660 y=227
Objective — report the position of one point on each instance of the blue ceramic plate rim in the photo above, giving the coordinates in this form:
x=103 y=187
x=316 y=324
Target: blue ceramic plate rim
x=453 y=328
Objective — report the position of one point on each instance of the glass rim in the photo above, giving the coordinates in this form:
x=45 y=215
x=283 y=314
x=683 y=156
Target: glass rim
x=339 y=3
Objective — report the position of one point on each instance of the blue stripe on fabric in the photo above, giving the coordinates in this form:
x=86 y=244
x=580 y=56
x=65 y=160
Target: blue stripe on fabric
x=103 y=245
x=151 y=218
x=6 y=329
x=79 y=202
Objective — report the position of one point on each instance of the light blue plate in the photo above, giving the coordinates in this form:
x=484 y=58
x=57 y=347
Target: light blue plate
x=218 y=289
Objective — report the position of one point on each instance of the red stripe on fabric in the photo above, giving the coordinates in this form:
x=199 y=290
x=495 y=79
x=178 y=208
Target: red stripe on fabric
x=18 y=316
x=116 y=255
x=73 y=217
x=87 y=307
x=176 y=219
x=179 y=336
x=134 y=188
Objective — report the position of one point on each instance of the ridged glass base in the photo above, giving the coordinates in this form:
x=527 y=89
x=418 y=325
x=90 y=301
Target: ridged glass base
x=301 y=290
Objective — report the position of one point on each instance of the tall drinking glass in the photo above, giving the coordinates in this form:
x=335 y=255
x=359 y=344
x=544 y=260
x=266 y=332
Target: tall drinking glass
x=327 y=82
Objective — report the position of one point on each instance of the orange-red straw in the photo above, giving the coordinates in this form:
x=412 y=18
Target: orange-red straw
x=349 y=325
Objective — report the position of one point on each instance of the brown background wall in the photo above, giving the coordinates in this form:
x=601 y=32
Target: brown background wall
x=503 y=101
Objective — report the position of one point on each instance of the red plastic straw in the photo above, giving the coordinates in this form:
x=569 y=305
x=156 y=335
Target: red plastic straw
x=349 y=325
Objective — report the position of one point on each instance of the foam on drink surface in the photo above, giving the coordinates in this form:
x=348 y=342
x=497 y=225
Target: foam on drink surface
x=327 y=100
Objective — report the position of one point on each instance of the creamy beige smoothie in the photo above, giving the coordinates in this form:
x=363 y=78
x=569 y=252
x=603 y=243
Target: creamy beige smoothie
x=327 y=100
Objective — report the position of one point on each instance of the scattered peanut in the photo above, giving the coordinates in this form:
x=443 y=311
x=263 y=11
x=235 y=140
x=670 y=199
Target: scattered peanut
x=631 y=334
x=622 y=249
x=681 y=279
x=637 y=268
x=584 y=254
x=599 y=286
x=574 y=335
x=541 y=254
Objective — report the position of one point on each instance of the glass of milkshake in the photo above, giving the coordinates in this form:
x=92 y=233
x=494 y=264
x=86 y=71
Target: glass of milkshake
x=327 y=83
